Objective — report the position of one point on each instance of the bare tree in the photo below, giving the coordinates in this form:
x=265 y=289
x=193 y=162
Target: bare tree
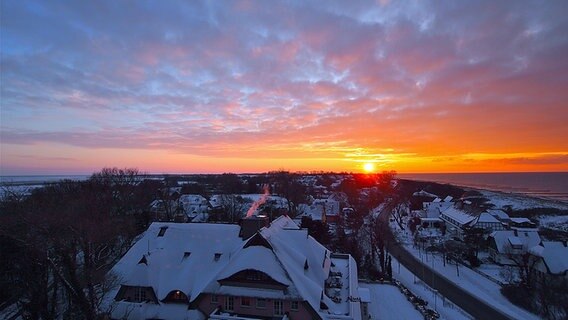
x=233 y=207
x=287 y=185
x=523 y=261
x=68 y=235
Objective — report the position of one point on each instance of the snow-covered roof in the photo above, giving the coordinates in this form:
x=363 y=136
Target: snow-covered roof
x=184 y=249
x=193 y=199
x=554 y=255
x=423 y=193
x=505 y=238
x=487 y=218
x=521 y=220
x=499 y=214
x=457 y=215
x=195 y=258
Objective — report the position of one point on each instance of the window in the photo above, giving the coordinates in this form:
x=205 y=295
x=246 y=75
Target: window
x=278 y=308
x=214 y=298
x=139 y=294
x=261 y=303
x=245 y=301
x=162 y=231
x=294 y=305
x=217 y=256
x=229 y=303
x=176 y=296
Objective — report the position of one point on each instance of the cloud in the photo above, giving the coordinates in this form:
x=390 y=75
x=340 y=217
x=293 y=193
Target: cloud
x=214 y=79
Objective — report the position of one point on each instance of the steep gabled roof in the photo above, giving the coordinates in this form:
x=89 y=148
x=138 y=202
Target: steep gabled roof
x=459 y=216
x=487 y=218
x=504 y=238
x=168 y=266
x=554 y=254
x=196 y=258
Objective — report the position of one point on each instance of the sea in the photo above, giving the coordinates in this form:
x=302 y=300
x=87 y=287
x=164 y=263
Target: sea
x=550 y=185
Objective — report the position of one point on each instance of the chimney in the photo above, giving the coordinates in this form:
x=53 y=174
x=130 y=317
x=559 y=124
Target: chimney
x=250 y=225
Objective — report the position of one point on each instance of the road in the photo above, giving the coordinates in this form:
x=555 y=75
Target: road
x=462 y=298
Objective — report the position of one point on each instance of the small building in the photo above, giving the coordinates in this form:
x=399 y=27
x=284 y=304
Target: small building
x=434 y=208
x=506 y=246
x=552 y=260
x=325 y=210
x=522 y=223
x=488 y=222
x=456 y=221
x=194 y=206
x=500 y=215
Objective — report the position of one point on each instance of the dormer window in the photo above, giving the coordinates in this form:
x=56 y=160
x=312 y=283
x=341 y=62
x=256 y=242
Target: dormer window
x=217 y=256
x=186 y=255
x=162 y=231
x=176 y=296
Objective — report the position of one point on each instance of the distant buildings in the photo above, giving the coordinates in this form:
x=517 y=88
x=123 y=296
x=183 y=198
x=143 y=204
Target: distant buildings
x=258 y=270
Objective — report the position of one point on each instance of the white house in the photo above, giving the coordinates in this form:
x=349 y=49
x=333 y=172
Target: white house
x=499 y=215
x=258 y=270
x=194 y=206
x=326 y=210
x=506 y=245
x=552 y=259
x=488 y=222
x=457 y=221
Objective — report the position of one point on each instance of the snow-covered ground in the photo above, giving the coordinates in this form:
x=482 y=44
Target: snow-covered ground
x=444 y=307
x=519 y=201
x=387 y=302
x=554 y=222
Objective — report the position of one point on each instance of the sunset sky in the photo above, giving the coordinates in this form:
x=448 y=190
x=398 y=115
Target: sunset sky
x=252 y=86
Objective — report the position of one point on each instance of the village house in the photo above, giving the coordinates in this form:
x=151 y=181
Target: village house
x=488 y=222
x=434 y=208
x=325 y=210
x=194 y=206
x=522 y=223
x=258 y=270
x=506 y=246
x=457 y=221
x=552 y=260
x=500 y=215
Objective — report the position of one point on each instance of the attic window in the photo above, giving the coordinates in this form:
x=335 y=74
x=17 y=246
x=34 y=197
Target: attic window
x=162 y=231
x=217 y=256
x=143 y=260
x=186 y=255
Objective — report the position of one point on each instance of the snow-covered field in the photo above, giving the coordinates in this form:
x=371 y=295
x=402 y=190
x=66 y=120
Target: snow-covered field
x=444 y=307
x=519 y=201
x=554 y=222
x=387 y=302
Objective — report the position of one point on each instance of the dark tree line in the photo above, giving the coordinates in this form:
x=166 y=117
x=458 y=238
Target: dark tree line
x=59 y=243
